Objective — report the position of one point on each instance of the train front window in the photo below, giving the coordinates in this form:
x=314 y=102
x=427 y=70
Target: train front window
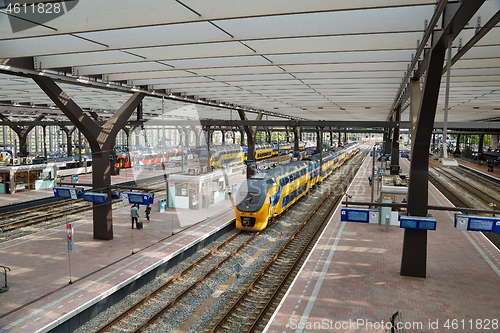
x=251 y=192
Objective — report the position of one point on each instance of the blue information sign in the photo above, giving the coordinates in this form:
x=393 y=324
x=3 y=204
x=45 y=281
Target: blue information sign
x=69 y=192
x=95 y=197
x=359 y=215
x=408 y=224
x=416 y=222
x=138 y=198
x=477 y=223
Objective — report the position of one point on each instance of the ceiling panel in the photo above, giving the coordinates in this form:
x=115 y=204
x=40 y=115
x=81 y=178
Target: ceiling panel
x=350 y=56
x=338 y=43
x=349 y=67
x=329 y=23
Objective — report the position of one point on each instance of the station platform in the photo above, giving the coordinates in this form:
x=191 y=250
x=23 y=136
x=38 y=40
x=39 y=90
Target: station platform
x=40 y=294
x=125 y=175
x=351 y=281
x=480 y=168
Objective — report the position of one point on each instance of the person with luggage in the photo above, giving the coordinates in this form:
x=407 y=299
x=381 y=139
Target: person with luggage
x=134 y=213
x=148 y=211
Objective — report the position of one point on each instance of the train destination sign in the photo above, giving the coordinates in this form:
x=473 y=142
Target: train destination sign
x=138 y=198
x=95 y=197
x=477 y=223
x=68 y=192
x=417 y=222
x=359 y=215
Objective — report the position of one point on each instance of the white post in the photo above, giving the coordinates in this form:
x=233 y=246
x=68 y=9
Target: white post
x=444 y=152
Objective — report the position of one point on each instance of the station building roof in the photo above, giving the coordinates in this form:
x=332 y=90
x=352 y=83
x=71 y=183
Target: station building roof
x=312 y=60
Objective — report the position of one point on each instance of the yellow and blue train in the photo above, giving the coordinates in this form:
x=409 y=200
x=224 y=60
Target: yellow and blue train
x=262 y=151
x=268 y=194
x=223 y=156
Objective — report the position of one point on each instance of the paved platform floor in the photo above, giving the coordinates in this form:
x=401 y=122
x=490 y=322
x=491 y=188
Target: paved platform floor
x=40 y=294
x=351 y=281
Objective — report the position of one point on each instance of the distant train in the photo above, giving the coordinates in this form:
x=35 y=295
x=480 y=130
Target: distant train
x=220 y=156
x=229 y=155
x=223 y=156
x=270 y=193
x=126 y=159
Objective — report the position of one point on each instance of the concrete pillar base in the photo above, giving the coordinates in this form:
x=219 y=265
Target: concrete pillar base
x=448 y=162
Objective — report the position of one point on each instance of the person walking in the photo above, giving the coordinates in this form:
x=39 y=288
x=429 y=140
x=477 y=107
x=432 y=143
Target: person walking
x=134 y=213
x=148 y=211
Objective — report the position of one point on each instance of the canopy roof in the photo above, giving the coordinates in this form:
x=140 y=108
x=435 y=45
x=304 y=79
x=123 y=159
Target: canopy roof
x=314 y=59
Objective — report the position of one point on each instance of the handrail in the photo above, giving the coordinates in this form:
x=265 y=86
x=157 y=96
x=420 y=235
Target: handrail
x=395 y=328
x=4 y=288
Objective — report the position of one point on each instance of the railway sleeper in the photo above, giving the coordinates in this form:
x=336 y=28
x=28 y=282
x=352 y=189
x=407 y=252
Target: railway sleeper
x=239 y=315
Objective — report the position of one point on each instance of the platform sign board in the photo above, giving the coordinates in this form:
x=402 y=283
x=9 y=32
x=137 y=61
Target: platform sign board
x=417 y=222
x=69 y=192
x=95 y=197
x=138 y=198
x=359 y=215
x=477 y=223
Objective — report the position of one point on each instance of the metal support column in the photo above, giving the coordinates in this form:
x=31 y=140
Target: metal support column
x=395 y=142
x=100 y=139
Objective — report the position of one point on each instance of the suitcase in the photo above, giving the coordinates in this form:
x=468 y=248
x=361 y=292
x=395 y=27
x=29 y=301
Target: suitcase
x=139 y=225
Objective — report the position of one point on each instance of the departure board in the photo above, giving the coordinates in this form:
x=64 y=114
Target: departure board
x=480 y=224
x=417 y=222
x=427 y=225
x=408 y=224
x=357 y=216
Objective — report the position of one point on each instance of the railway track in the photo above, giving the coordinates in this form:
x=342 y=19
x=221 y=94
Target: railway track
x=270 y=259
x=28 y=217
x=250 y=311
x=148 y=310
x=461 y=188
x=480 y=191
x=29 y=220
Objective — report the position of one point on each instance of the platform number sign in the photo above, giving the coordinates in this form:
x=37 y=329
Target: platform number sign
x=462 y=223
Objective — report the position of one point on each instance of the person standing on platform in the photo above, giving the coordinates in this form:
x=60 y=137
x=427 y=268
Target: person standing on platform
x=148 y=211
x=134 y=213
